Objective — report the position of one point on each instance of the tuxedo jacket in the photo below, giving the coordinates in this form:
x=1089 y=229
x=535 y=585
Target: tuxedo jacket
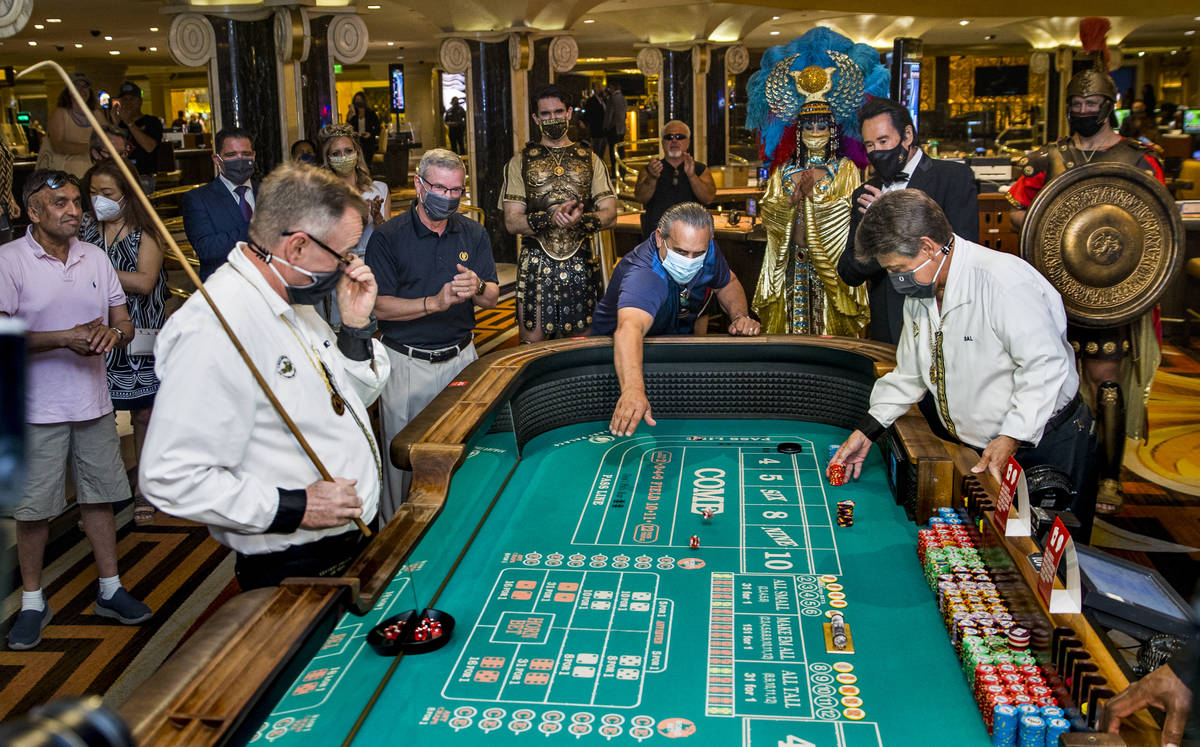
x=213 y=222
x=952 y=187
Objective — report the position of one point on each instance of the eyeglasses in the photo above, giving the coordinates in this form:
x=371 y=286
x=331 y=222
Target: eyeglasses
x=675 y=136
x=52 y=180
x=343 y=259
x=442 y=189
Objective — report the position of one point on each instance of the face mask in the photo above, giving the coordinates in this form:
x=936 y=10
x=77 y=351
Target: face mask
x=815 y=142
x=682 y=268
x=553 y=129
x=307 y=158
x=237 y=170
x=105 y=208
x=343 y=164
x=439 y=207
x=906 y=284
x=1085 y=124
x=888 y=163
x=322 y=284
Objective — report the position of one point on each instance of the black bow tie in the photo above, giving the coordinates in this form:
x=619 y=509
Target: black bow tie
x=901 y=177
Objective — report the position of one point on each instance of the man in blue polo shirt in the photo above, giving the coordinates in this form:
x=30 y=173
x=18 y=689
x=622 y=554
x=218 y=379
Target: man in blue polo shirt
x=664 y=287
x=433 y=266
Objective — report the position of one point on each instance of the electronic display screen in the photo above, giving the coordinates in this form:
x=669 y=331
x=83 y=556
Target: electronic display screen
x=1002 y=80
x=1139 y=587
x=1191 y=121
x=1121 y=115
x=396 y=79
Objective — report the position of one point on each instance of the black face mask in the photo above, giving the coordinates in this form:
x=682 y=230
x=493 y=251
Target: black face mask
x=553 y=129
x=323 y=283
x=1085 y=124
x=888 y=163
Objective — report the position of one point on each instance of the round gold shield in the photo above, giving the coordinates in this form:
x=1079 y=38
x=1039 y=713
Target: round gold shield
x=1108 y=237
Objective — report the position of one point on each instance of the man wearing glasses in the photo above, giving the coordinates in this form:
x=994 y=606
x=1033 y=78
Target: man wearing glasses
x=434 y=266
x=673 y=179
x=216 y=451
x=68 y=295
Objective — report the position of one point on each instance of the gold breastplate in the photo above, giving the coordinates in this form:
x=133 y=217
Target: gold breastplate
x=554 y=176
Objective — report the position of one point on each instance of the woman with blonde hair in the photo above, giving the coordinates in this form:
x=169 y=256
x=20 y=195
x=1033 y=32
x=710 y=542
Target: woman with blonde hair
x=67 y=143
x=342 y=154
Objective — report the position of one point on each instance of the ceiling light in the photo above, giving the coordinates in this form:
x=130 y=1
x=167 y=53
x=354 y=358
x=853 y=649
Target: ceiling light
x=113 y=51
x=32 y=43
x=963 y=22
x=38 y=26
x=1189 y=33
x=1141 y=54
x=774 y=18
x=153 y=49
x=774 y=33
x=53 y=20
x=391 y=44
x=1173 y=51
x=108 y=38
x=154 y=28
x=78 y=45
x=589 y=20
x=373 y=7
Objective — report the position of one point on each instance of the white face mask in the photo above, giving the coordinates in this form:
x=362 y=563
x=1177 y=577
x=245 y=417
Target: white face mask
x=105 y=209
x=682 y=268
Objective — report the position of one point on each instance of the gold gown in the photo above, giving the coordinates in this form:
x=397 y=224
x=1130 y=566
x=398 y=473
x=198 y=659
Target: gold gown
x=799 y=290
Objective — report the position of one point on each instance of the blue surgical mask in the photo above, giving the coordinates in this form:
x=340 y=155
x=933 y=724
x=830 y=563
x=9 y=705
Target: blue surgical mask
x=682 y=268
x=906 y=284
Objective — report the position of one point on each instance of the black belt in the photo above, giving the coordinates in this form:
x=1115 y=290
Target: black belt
x=1064 y=414
x=433 y=356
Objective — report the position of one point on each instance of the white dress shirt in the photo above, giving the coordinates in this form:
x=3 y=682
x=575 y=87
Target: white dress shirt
x=1008 y=365
x=216 y=451
x=233 y=189
x=910 y=168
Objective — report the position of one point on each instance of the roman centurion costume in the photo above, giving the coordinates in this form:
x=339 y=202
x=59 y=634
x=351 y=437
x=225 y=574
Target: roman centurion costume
x=558 y=277
x=1100 y=228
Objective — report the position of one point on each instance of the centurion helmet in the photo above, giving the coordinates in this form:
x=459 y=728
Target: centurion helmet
x=1093 y=32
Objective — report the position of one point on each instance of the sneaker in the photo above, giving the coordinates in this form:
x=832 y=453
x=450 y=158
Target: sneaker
x=123 y=607
x=27 y=630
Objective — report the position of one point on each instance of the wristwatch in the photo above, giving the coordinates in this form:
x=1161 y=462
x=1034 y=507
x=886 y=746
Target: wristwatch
x=482 y=287
x=119 y=331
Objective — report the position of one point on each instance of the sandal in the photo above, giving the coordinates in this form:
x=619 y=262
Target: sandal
x=143 y=511
x=1110 y=499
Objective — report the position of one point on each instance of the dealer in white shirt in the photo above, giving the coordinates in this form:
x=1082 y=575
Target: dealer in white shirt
x=216 y=451
x=983 y=332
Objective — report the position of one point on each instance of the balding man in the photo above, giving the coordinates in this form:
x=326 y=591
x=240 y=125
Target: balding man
x=674 y=178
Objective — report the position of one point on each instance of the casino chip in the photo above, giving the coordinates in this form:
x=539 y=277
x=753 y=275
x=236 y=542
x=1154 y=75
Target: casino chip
x=845 y=510
x=789 y=447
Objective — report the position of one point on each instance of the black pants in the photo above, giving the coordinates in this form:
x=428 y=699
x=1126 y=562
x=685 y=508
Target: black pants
x=1070 y=445
x=329 y=556
x=457 y=143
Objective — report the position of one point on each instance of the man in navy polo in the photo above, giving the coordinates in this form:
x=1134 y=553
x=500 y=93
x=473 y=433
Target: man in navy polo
x=433 y=266
x=664 y=287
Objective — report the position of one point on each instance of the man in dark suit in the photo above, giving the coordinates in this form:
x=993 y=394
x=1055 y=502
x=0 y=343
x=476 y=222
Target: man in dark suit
x=217 y=215
x=891 y=142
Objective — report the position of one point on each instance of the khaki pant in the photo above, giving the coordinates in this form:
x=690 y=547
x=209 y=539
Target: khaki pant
x=93 y=451
x=411 y=386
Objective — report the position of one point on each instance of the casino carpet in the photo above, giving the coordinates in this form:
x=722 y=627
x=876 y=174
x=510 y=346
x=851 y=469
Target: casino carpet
x=182 y=574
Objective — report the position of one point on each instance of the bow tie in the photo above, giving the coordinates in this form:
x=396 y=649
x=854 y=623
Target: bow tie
x=901 y=177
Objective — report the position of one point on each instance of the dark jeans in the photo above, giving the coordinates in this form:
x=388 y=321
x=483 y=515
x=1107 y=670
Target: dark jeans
x=1071 y=447
x=329 y=556
x=457 y=142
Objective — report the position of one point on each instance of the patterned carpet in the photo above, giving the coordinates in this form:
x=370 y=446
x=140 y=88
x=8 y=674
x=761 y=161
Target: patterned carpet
x=182 y=574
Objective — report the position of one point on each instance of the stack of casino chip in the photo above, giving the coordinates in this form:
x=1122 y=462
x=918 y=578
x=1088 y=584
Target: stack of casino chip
x=845 y=513
x=1027 y=726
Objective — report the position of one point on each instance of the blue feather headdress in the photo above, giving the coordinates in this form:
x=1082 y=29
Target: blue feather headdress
x=775 y=101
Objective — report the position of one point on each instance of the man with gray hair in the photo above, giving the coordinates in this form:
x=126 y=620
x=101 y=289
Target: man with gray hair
x=664 y=287
x=673 y=178
x=986 y=335
x=434 y=266
x=216 y=451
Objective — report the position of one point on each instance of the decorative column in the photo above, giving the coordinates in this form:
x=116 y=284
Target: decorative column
x=723 y=62
x=650 y=63
x=489 y=137
x=701 y=65
x=676 y=90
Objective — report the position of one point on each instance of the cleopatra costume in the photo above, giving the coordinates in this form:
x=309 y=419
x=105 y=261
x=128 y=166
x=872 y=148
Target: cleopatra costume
x=558 y=277
x=804 y=105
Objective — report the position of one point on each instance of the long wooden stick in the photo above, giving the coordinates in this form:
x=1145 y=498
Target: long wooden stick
x=136 y=186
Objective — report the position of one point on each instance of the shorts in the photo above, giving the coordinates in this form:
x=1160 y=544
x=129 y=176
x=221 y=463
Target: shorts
x=94 y=452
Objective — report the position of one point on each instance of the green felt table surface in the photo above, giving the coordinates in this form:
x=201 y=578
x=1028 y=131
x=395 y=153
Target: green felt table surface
x=584 y=617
